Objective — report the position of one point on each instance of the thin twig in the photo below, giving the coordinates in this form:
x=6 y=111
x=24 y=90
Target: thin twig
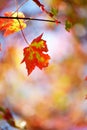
x=20 y=6
x=28 y=18
x=17 y=8
x=23 y=32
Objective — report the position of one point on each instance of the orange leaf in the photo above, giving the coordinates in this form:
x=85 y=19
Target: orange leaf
x=34 y=54
x=10 y=26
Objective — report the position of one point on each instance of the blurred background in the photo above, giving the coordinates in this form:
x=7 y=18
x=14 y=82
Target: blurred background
x=56 y=97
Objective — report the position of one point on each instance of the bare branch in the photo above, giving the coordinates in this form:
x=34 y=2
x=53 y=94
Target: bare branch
x=28 y=18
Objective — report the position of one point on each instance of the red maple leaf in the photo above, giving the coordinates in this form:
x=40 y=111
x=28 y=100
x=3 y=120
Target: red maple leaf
x=34 y=54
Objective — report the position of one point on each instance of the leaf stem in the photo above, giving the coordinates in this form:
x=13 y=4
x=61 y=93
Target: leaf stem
x=28 y=18
x=23 y=33
x=18 y=7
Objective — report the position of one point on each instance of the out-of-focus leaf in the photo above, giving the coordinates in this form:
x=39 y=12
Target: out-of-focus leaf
x=6 y=114
x=2 y=109
x=68 y=25
x=10 y=26
x=54 y=11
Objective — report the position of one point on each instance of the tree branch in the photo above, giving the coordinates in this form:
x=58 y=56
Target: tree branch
x=28 y=18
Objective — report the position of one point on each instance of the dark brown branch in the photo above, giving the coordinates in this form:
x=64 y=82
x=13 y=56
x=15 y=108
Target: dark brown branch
x=28 y=18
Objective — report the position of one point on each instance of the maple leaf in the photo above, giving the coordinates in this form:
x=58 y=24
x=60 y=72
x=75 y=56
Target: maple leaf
x=10 y=26
x=34 y=54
